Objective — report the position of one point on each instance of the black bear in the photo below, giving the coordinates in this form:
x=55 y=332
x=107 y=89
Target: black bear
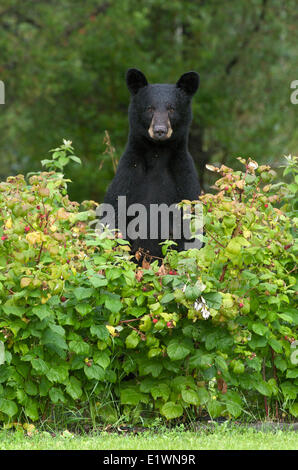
x=156 y=169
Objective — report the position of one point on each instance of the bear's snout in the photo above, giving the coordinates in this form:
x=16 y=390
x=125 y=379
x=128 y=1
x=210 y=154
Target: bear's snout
x=160 y=131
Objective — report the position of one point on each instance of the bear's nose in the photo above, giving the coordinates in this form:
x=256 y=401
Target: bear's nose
x=160 y=131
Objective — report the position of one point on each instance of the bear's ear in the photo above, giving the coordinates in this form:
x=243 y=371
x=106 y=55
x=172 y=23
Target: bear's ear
x=189 y=82
x=135 y=80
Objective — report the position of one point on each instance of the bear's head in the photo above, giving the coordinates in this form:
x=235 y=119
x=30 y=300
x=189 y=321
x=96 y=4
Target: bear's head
x=160 y=112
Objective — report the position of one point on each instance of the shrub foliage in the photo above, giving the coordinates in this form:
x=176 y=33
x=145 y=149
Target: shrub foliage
x=210 y=330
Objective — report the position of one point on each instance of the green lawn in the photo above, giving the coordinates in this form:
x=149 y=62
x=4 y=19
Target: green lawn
x=219 y=439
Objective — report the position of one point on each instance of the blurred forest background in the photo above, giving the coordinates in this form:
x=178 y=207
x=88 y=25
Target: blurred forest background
x=63 y=64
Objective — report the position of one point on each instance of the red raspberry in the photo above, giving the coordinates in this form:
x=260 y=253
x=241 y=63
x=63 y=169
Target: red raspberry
x=155 y=320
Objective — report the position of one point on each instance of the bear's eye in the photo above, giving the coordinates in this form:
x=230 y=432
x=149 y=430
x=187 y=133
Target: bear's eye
x=171 y=109
x=150 y=109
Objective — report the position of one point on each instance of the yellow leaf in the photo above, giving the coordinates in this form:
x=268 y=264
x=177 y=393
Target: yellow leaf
x=34 y=237
x=240 y=184
x=111 y=330
x=8 y=223
x=45 y=299
x=62 y=214
x=25 y=281
x=30 y=429
x=246 y=233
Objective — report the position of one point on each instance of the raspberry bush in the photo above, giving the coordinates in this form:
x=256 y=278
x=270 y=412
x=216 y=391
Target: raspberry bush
x=207 y=331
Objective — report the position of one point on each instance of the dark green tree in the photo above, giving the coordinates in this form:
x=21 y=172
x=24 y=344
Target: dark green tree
x=63 y=64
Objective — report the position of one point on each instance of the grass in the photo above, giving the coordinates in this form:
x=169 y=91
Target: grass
x=220 y=438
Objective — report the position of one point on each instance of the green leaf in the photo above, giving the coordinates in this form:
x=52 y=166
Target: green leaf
x=113 y=303
x=94 y=372
x=238 y=367
x=260 y=328
x=83 y=309
x=98 y=281
x=213 y=299
x=167 y=298
x=131 y=396
x=203 y=396
x=292 y=373
x=13 y=310
x=172 y=410
x=179 y=348
x=273 y=385
x=8 y=407
x=160 y=391
x=30 y=388
x=294 y=409
x=102 y=358
x=192 y=292
x=200 y=360
x=75 y=159
x=234 y=403
x=215 y=408
x=40 y=365
x=280 y=363
x=44 y=387
x=276 y=345
x=255 y=363
x=82 y=293
x=100 y=331
x=21 y=396
x=289 y=390
x=51 y=337
x=263 y=388
x=285 y=317
x=190 y=396
x=257 y=341
x=136 y=311
x=233 y=249
x=79 y=347
x=132 y=340
x=150 y=367
x=57 y=373
x=42 y=311
x=182 y=382
x=221 y=363
x=113 y=273
x=74 y=388
x=31 y=409
x=56 y=395
x=211 y=340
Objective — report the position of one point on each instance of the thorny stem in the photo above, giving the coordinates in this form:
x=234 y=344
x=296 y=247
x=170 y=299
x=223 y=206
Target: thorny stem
x=275 y=377
x=39 y=254
x=265 y=398
x=143 y=337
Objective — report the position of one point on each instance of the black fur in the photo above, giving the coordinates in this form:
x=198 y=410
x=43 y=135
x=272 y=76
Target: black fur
x=154 y=171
